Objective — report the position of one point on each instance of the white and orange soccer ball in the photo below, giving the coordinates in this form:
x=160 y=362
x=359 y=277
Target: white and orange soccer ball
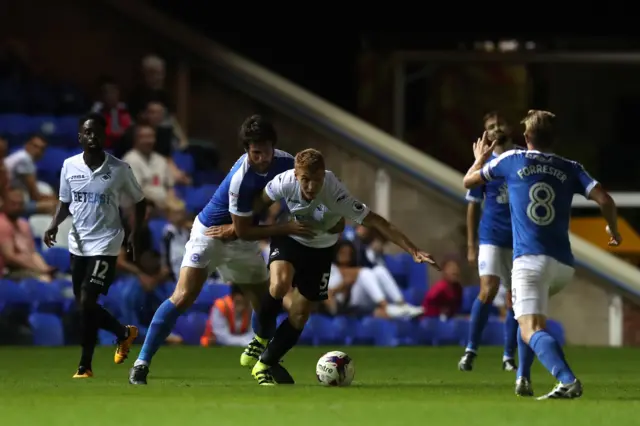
x=335 y=368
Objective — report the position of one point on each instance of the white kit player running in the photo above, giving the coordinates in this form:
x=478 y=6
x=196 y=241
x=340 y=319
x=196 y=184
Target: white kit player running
x=314 y=196
x=229 y=244
x=90 y=187
x=541 y=188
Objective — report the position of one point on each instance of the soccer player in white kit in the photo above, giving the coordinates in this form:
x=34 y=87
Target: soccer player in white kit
x=91 y=184
x=316 y=197
x=541 y=188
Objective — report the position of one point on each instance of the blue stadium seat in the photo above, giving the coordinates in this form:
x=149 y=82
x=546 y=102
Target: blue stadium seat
x=65 y=288
x=408 y=331
x=50 y=165
x=156 y=226
x=14 y=298
x=47 y=330
x=469 y=295
x=356 y=333
x=450 y=332
x=106 y=338
x=191 y=327
x=493 y=333
x=417 y=274
x=184 y=161
x=555 y=329
x=58 y=257
x=14 y=124
x=197 y=198
x=165 y=290
x=323 y=331
x=398 y=266
x=414 y=295
x=209 y=177
x=383 y=331
x=45 y=124
x=45 y=298
x=427 y=330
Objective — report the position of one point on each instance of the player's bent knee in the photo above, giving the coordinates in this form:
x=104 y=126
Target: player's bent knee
x=489 y=286
x=281 y=278
x=188 y=287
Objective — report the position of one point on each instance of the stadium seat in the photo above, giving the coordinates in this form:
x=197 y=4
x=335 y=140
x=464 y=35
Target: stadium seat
x=184 y=161
x=47 y=330
x=426 y=333
x=356 y=333
x=156 y=226
x=44 y=124
x=191 y=327
x=408 y=331
x=14 y=124
x=449 y=332
x=14 y=300
x=397 y=265
x=493 y=333
x=106 y=338
x=58 y=258
x=323 y=331
x=417 y=274
x=50 y=165
x=66 y=132
x=209 y=177
x=383 y=331
x=414 y=295
x=45 y=297
x=469 y=295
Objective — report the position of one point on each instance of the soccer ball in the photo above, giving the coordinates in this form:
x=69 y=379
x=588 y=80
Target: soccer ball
x=335 y=368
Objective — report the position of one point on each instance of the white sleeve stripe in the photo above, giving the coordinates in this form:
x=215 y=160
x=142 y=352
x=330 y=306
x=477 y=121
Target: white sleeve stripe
x=485 y=173
x=474 y=199
x=589 y=188
x=237 y=213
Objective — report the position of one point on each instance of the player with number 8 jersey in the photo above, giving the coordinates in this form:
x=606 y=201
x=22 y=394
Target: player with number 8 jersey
x=541 y=187
x=91 y=184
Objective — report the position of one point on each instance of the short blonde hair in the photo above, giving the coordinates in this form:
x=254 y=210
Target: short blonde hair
x=539 y=127
x=310 y=159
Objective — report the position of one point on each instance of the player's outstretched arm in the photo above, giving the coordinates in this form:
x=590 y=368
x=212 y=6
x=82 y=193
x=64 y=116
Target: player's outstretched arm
x=393 y=234
x=609 y=212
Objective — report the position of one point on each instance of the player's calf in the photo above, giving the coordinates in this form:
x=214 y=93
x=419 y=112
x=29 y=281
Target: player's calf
x=489 y=286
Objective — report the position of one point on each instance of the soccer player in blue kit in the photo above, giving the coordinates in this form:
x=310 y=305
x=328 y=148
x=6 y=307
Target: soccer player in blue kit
x=541 y=186
x=494 y=254
x=232 y=249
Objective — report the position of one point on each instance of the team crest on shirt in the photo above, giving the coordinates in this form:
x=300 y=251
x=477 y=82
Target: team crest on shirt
x=482 y=265
x=105 y=177
x=503 y=194
x=195 y=258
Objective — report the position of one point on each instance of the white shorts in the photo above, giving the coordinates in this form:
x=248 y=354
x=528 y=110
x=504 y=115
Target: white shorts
x=495 y=261
x=534 y=279
x=238 y=262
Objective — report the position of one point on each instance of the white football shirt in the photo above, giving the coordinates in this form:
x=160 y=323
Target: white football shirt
x=332 y=203
x=94 y=198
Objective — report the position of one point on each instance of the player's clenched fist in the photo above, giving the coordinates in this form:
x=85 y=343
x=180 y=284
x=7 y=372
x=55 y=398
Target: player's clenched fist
x=50 y=236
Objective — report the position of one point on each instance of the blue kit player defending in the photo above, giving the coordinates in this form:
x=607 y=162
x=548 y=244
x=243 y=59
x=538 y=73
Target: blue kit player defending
x=541 y=187
x=494 y=254
x=229 y=244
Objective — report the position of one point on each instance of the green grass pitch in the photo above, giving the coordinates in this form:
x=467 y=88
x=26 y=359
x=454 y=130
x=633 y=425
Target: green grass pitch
x=393 y=386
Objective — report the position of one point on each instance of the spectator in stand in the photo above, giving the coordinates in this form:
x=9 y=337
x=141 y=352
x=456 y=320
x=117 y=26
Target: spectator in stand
x=359 y=289
x=18 y=254
x=153 y=88
x=150 y=168
x=229 y=322
x=114 y=111
x=175 y=236
x=444 y=298
x=4 y=174
x=21 y=166
x=153 y=115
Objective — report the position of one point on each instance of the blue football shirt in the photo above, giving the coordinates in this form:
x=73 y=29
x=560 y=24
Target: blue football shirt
x=236 y=193
x=541 y=188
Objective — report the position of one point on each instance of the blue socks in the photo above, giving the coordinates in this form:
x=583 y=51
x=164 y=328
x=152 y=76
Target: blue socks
x=510 y=335
x=525 y=358
x=161 y=325
x=479 y=317
x=551 y=356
